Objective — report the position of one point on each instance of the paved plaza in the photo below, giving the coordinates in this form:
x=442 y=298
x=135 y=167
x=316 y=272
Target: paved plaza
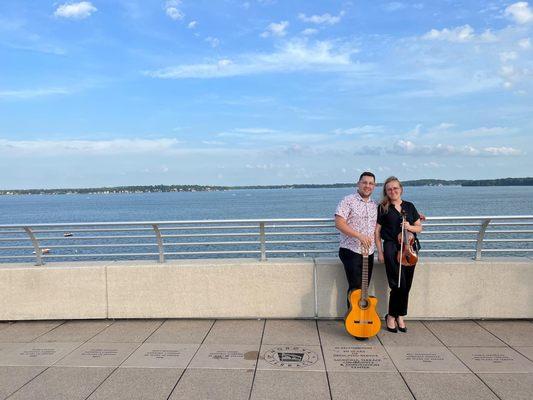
x=263 y=359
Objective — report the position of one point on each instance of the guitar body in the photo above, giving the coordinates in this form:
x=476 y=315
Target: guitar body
x=362 y=320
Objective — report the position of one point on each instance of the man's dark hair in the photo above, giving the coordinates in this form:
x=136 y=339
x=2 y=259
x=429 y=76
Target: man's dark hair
x=366 y=173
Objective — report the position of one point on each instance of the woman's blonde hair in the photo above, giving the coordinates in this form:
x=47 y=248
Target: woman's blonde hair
x=385 y=202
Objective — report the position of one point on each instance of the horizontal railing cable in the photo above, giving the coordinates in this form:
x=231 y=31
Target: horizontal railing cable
x=469 y=235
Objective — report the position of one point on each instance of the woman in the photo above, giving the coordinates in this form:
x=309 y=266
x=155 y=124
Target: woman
x=389 y=226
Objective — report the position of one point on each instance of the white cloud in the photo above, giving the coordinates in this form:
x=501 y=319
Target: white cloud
x=213 y=42
x=172 y=9
x=293 y=55
x=508 y=56
x=458 y=34
x=276 y=29
x=524 y=43
x=80 y=10
x=394 y=6
x=309 y=31
x=91 y=147
x=192 y=24
x=520 y=12
x=502 y=151
x=406 y=147
x=322 y=19
x=365 y=129
x=31 y=93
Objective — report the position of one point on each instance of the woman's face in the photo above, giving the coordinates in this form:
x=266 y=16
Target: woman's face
x=393 y=190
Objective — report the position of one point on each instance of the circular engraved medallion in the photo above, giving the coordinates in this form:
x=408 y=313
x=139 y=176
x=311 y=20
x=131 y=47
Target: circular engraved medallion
x=291 y=357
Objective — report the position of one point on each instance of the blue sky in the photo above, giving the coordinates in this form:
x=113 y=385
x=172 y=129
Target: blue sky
x=122 y=92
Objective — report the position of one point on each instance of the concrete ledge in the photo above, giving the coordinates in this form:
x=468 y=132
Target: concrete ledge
x=237 y=288
x=53 y=291
x=442 y=288
x=247 y=288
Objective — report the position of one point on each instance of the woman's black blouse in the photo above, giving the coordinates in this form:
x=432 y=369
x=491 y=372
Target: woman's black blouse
x=391 y=222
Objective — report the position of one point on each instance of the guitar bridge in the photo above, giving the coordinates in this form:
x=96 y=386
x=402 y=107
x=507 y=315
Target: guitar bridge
x=364 y=322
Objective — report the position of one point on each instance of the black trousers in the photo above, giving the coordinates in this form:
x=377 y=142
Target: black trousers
x=399 y=296
x=353 y=266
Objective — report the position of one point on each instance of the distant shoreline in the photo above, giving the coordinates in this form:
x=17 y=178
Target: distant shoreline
x=210 y=188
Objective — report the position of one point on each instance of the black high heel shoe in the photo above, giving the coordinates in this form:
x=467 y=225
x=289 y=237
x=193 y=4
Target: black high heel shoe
x=393 y=330
x=404 y=329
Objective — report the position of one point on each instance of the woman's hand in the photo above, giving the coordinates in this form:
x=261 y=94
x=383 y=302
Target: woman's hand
x=381 y=258
x=407 y=226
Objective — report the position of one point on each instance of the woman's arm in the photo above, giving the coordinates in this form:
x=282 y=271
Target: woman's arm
x=415 y=228
x=379 y=244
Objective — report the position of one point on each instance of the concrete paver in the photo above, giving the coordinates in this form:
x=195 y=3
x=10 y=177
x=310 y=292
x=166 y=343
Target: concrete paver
x=138 y=384
x=436 y=386
x=187 y=331
x=296 y=332
x=526 y=351
x=293 y=385
x=161 y=355
x=235 y=359
x=290 y=358
x=493 y=359
x=368 y=386
x=74 y=331
x=358 y=359
x=510 y=386
x=127 y=331
x=26 y=331
x=417 y=335
x=333 y=333
x=425 y=359
x=37 y=354
x=236 y=332
x=99 y=355
x=63 y=384
x=220 y=384
x=462 y=333
x=513 y=333
x=13 y=378
x=225 y=356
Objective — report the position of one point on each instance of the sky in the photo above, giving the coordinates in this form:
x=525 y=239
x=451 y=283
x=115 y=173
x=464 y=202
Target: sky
x=258 y=92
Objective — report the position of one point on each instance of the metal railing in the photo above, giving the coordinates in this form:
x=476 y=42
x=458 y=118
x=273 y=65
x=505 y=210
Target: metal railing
x=162 y=240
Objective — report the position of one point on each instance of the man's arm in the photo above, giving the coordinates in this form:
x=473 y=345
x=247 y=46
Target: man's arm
x=341 y=225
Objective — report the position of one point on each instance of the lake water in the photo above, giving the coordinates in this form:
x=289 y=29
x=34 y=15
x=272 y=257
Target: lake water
x=252 y=204
x=242 y=204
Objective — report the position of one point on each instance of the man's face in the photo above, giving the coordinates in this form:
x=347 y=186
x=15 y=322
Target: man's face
x=366 y=186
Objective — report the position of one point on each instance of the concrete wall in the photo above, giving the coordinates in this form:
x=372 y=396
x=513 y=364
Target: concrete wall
x=245 y=288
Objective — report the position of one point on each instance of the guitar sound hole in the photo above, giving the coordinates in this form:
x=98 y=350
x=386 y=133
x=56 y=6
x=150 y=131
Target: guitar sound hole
x=363 y=304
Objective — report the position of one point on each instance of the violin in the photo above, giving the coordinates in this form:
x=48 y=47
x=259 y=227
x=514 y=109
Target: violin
x=407 y=256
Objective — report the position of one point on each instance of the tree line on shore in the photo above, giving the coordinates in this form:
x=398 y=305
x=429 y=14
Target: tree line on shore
x=205 y=188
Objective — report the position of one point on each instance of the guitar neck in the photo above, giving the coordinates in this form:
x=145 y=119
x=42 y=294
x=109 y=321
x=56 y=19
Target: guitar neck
x=364 y=281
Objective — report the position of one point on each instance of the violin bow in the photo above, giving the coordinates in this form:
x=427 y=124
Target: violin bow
x=401 y=250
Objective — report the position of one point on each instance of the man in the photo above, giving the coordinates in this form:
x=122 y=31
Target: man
x=355 y=218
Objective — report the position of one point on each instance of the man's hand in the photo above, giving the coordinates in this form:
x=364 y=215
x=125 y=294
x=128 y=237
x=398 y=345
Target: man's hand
x=381 y=258
x=366 y=241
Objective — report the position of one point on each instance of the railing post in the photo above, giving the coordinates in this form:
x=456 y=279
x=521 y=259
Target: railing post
x=262 y=240
x=159 y=243
x=38 y=252
x=480 y=237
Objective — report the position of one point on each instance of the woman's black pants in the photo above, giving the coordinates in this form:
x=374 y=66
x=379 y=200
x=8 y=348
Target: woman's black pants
x=353 y=266
x=399 y=296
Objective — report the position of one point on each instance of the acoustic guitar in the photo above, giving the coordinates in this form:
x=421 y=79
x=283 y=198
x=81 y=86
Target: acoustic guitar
x=362 y=320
